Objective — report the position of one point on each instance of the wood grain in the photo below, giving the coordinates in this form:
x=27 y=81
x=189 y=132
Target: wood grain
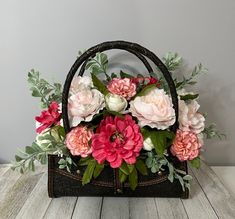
x=17 y=195
x=61 y=208
x=171 y=208
x=115 y=208
x=143 y=208
x=88 y=207
x=222 y=201
x=3 y=168
x=37 y=202
x=198 y=206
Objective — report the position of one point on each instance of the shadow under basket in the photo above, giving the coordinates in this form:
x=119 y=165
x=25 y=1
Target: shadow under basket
x=63 y=183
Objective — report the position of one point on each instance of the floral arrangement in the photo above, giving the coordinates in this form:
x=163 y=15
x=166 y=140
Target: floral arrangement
x=122 y=122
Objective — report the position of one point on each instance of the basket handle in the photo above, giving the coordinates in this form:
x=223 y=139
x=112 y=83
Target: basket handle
x=142 y=59
x=123 y=45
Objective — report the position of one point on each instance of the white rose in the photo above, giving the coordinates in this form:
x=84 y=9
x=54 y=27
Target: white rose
x=79 y=83
x=155 y=109
x=189 y=117
x=148 y=144
x=115 y=102
x=83 y=105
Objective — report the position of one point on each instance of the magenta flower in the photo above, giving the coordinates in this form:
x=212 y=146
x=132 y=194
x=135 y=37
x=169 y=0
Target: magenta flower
x=48 y=117
x=117 y=140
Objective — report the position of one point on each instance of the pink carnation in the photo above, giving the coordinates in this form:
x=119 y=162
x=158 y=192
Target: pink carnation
x=77 y=141
x=117 y=140
x=123 y=87
x=186 y=145
x=48 y=117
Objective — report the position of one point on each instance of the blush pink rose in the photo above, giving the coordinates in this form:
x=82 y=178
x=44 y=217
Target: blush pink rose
x=48 y=117
x=155 y=109
x=77 y=141
x=123 y=87
x=186 y=145
x=189 y=117
x=117 y=140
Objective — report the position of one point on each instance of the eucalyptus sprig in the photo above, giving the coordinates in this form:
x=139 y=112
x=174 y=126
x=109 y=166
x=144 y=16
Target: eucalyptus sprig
x=158 y=163
x=211 y=132
x=50 y=142
x=44 y=90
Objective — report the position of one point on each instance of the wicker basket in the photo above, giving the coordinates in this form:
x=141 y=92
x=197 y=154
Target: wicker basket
x=63 y=183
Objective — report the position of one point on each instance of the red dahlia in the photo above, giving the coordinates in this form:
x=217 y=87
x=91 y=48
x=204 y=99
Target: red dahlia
x=117 y=140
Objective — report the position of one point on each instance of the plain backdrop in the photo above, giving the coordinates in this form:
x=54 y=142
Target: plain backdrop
x=47 y=34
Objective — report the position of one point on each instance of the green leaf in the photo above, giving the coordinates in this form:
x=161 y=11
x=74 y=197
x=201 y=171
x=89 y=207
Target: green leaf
x=115 y=113
x=35 y=92
x=125 y=75
x=154 y=75
x=130 y=167
x=196 y=162
x=122 y=176
x=133 y=179
x=189 y=97
x=141 y=167
x=84 y=161
x=146 y=90
x=29 y=150
x=124 y=168
x=161 y=140
x=187 y=177
x=98 y=170
x=87 y=176
x=31 y=165
x=99 y=85
x=18 y=158
x=113 y=75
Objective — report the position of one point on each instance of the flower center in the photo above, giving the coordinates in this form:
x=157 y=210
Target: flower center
x=117 y=135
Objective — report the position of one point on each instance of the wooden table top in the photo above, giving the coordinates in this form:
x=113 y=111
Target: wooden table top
x=25 y=196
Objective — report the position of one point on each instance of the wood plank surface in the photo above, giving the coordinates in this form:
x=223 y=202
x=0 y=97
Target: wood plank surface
x=25 y=197
x=88 y=207
x=17 y=195
x=171 y=208
x=143 y=208
x=61 y=208
x=198 y=206
x=37 y=202
x=115 y=208
x=222 y=201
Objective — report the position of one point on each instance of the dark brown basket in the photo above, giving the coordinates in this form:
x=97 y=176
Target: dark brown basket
x=63 y=183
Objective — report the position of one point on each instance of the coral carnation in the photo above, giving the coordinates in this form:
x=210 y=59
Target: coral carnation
x=48 y=117
x=117 y=140
x=77 y=141
x=186 y=145
x=123 y=87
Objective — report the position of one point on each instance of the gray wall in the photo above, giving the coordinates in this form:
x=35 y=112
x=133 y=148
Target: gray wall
x=46 y=35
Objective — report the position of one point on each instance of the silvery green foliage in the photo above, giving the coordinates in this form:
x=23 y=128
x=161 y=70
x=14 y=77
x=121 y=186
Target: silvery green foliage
x=172 y=61
x=98 y=64
x=211 y=132
x=50 y=142
x=160 y=163
x=65 y=163
x=44 y=90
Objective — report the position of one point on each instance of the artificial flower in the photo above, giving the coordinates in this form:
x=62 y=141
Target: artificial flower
x=123 y=87
x=189 y=117
x=115 y=102
x=48 y=117
x=79 y=83
x=186 y=145
x=144 y=80
x=154 y=109
x=148 y=144
x=83 y=105
x=77 y=141
x=117 y=140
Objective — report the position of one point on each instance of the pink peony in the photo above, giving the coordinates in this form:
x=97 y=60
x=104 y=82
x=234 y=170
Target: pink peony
x=117 y=140
x=48 y=117
x=77 y=141
x=123 y=87
x=154 y=109
x=186 y=145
